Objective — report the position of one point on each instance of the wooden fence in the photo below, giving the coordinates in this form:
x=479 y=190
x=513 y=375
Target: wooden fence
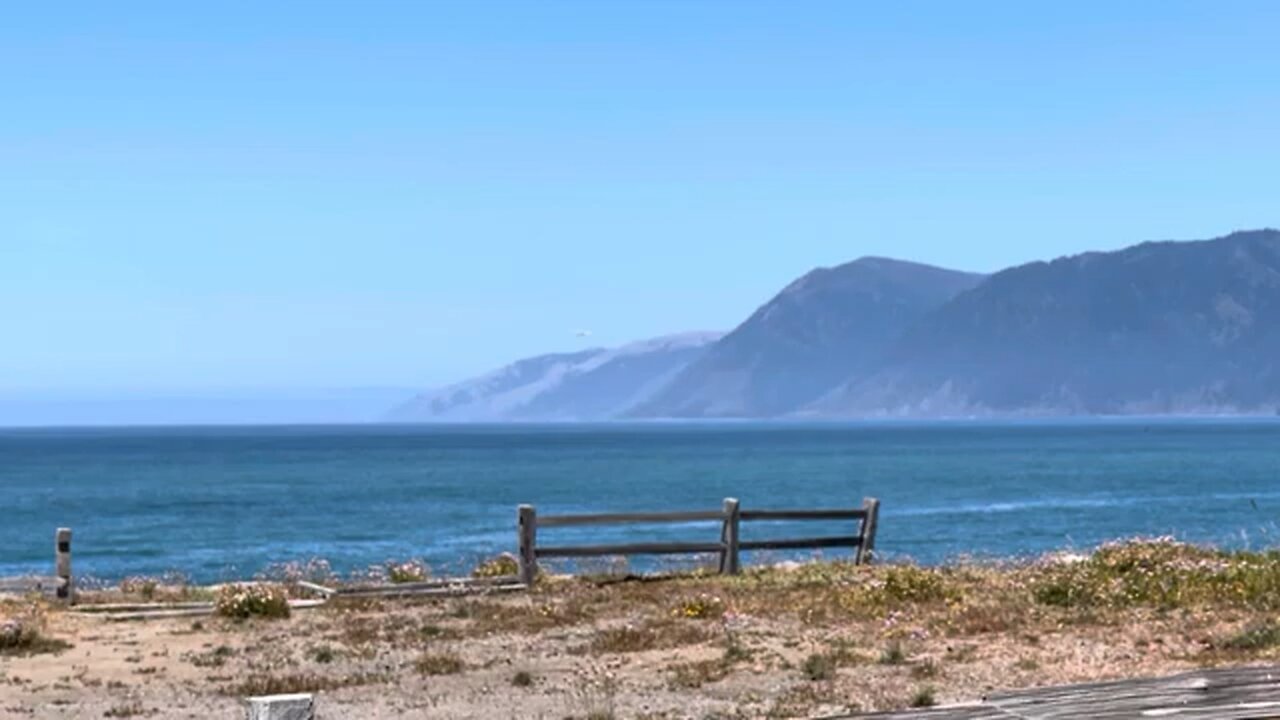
x=728 y=547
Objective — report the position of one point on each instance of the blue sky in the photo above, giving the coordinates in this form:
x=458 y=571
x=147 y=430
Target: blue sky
x=220 y=195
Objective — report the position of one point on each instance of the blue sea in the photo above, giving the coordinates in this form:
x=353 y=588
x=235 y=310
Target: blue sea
x=219 y=503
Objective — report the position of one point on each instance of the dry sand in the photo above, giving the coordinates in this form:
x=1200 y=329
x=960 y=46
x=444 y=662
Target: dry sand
x=780 y=644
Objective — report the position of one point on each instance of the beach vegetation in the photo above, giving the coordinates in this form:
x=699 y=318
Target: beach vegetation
x=241 y=602
x=504 y=565
x=408 y=571
x=439 y=664
x=23 y=631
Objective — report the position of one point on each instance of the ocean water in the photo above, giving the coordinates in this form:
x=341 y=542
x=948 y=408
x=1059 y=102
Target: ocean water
x=226 y=502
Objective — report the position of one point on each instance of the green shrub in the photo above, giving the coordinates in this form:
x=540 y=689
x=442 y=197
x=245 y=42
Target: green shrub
x=908 y=583
x=241 y=602
x=503 y=565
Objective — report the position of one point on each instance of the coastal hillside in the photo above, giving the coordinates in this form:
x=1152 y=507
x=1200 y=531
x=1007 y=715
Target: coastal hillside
x=594 y=384
x=821 y=329
x=1161 y=327
x=1156 y=328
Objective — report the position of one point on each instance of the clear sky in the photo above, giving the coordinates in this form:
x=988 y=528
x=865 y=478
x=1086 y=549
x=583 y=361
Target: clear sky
x=311 y=194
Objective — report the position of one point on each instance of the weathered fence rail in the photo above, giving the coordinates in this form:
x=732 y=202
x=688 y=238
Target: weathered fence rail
x=729 y=546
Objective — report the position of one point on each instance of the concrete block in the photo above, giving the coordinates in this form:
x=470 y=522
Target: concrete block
x=281 y=707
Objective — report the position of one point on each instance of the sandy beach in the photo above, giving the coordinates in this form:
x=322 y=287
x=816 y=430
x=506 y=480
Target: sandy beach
x=782 y=642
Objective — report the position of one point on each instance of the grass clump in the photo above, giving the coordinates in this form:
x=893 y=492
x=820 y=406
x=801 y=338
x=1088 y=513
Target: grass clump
x=908 y=583
x=799 y=701
x=503 y=565
x=241 y=602
x=1256 y=636
x=124 y=710
x=923 y=698
x=893 y=654
x=216 y=657
x=522 y=679
x=439 y=664
x=654 y=635
x=892 y=587
x=24 y=634
x=819 y=666
x=702 y=606
x=690 y=675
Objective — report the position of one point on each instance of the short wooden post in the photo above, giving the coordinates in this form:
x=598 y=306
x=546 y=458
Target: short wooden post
x=281 y=707
x=62 y=565
x=527 y=529
x=868 y=541
x=729 y=537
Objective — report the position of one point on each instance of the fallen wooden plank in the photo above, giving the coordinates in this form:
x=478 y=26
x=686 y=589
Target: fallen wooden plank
x=393 y=591
x=139 y=607
x=203 y=611
x=325 y=591
x=962 y=711
x=29 y=584
x=1250 y=692
x=434 y=583
x=1244 y=693
x=154 y=614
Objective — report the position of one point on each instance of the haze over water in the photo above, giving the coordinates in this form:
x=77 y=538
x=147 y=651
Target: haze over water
x=221 y=503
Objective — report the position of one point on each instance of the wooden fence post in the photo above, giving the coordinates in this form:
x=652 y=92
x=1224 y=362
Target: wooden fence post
x=868 y=543
x=729 y=537
x=62 y=565
x=527 y=527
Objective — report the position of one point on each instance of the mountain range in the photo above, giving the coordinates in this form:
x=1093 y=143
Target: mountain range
x=1157 y=328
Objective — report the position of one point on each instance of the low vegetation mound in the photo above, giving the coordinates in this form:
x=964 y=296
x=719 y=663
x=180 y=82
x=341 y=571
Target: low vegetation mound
x=241 y=602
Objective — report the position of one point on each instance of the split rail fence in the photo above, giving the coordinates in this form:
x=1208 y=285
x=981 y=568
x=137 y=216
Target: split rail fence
x=729 y=546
